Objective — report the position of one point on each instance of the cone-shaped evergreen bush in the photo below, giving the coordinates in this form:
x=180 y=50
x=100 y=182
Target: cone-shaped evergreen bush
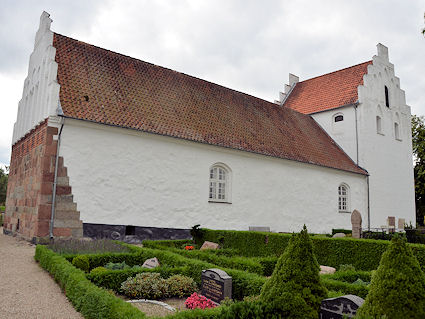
x=397 y=289
x=295 y=283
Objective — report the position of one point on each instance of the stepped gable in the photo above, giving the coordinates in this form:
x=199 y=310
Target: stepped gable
x=106 y=87
x=328 y=91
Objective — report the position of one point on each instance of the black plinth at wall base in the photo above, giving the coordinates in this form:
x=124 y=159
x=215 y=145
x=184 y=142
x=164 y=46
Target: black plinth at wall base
x=133 y=234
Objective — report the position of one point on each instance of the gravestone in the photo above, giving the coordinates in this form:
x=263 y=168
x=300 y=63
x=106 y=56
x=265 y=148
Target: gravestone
x=208 y=245
x=327 y=270
x=216 y=284
x=151 y=263
x=260 y=228
x=340 y=307
x=356 y=224
x=391 y=224
x=338 y=235
x=401 y=222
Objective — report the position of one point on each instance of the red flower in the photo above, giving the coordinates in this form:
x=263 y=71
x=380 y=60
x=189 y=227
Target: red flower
x=199 y=301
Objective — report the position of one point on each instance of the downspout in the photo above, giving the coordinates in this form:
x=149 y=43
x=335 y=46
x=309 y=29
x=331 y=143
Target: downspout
x=52 y=215
x=368 y=204
x=357 y=133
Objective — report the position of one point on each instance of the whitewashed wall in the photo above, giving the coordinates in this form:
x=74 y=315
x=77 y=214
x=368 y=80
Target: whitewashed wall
x=388 y=160
x=344 y=132
x=40 y=96
x=121 y=176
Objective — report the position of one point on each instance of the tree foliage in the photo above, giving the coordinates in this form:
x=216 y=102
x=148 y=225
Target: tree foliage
x=3 y=185
x=397 y=289
x=418 y=143
x=295 y=283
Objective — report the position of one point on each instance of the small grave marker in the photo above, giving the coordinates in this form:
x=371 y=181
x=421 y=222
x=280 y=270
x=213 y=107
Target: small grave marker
x=340 y=307
x=401 y=222
x=356 y=224
x=327 y=270
x=151 y=263
x=216 y=284
x=391 y=224
x=208 y=245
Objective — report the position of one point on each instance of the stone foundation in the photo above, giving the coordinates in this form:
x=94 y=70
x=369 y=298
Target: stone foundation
x=30 y=189
x=133 y=234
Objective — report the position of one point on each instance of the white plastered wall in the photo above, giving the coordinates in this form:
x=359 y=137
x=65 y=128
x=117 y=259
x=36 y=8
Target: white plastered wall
x=40 y=96
x=343 y=132
x=121 y=176
x=388 y=160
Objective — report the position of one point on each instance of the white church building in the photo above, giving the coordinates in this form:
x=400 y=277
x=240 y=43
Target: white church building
x=109 y=145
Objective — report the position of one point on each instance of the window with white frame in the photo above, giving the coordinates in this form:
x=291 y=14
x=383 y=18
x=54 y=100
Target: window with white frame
x=219 y=189
x=343 y=198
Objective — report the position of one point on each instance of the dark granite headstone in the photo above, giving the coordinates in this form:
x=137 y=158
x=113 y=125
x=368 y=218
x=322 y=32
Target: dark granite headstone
x=216 y=284
x=340 y=307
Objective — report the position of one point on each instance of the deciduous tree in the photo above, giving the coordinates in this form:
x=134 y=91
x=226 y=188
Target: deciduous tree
x=418 y=143
x=3 y=184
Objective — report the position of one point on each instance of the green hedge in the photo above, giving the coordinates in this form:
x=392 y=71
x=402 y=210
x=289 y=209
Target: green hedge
x=244 y=283
x=242 y=263
x=363 y=254
x=87 y=298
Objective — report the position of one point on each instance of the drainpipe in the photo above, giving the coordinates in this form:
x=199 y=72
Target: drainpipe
x=368 y=204
x=52 y=215
x=357 y=133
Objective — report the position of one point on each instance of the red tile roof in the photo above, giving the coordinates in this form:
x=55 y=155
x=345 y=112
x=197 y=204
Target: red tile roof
x=327 y=91
x=105 y=87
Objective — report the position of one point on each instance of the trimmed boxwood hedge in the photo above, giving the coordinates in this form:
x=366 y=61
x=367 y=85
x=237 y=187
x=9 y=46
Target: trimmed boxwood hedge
x=244 y=283
x=254 y=265
x=87 y=298
x=363 y=254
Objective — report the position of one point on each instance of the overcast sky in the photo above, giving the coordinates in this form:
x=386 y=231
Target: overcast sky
x=250 y=46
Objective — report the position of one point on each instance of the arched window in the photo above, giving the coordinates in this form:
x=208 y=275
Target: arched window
x=339 y=118
x=387 y=99
x=397 y=127
x=378 y=124
x=379 y=117
x=396 y=131
x=343 y=198
x=219 y=189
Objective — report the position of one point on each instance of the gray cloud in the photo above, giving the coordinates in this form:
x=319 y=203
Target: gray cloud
x=20 y=20
x=245 y=45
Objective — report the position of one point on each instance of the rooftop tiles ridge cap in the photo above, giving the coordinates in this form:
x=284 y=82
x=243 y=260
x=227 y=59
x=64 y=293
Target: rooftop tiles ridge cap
x=162 y=67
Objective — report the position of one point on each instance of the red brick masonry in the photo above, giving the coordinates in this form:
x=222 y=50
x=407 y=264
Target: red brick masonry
x=30 y=189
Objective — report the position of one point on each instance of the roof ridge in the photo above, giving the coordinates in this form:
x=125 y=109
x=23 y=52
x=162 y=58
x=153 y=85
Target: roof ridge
x=326 y=74
x=162 y=67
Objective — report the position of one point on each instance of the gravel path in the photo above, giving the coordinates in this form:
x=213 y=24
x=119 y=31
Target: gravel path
x=26 y=290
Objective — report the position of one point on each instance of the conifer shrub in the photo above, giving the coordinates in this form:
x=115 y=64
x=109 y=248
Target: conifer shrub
x=295 y=283
x=397 y=289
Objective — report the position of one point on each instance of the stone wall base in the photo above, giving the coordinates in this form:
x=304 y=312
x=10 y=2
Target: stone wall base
x=133 y=234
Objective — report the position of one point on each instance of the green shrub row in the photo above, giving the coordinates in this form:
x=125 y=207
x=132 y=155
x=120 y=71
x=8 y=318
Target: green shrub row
x=363 y=254
x=90 y=300
x=341 y=230
x=244 y=283
x=350 y=276
x=242 y=263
